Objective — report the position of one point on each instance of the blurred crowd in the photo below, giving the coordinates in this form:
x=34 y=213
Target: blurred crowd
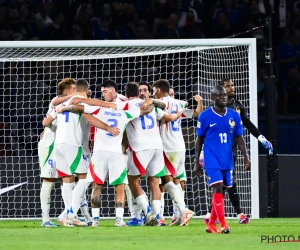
x=160 y=19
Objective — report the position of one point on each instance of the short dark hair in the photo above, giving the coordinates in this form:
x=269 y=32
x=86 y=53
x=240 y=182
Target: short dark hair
x=163 y=85
x=65 y=84
x=222 y=82
x=109 y=84
x=132 y=89
x=81 y=85
x=146 y=84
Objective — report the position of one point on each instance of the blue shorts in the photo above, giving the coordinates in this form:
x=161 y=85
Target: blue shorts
x=215 y=175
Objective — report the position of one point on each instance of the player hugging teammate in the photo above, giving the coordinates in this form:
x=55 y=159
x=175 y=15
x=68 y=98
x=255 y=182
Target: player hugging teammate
x=73 y=117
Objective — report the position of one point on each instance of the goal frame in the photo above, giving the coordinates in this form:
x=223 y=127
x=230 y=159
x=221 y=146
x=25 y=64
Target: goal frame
x=251 y=42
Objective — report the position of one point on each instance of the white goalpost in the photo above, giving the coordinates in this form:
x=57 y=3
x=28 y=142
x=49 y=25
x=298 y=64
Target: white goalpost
x=31 y=70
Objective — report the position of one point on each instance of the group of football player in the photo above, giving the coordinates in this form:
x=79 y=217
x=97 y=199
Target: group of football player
x=134 y=136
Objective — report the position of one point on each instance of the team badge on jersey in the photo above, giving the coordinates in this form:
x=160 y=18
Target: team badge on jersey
x=232 y=124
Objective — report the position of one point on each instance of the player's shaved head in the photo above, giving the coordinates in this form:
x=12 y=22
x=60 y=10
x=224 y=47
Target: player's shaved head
x=217 y=90
x=81 y=85
x=132 y=89
x=65 y=84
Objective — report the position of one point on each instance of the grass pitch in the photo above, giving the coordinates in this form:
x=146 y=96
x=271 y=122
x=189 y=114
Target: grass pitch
x=25 y=235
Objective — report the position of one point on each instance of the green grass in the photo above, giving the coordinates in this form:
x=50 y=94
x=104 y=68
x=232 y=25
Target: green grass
x=24 y=235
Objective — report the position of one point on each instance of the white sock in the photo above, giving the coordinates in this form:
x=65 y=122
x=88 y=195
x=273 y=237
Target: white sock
x=146 y=197
x=180 y=189
x=175 y=195
x=176 y=212
x=95 y=212
x=84 y=207
x=119 y=212
x=142 y=203
x=155 y=206
x=77 y=193
x=45 y=199
x=175 y=207
x=66 y=192
x=129 y=199
x=162 y=206
x=137 y=209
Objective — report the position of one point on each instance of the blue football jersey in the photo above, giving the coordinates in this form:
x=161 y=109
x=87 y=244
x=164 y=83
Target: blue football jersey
x=219 y=132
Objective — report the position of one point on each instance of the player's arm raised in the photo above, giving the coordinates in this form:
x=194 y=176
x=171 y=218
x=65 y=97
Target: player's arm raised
x=199 y=107
x=198 y=146
x=242 y=147
x=100 y=124
x=93 y=102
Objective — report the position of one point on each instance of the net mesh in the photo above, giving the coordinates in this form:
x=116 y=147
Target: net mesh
x=29 y=81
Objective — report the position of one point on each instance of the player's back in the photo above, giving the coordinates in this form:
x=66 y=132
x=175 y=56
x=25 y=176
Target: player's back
x=219 y=132
x=143 y=132
x=71 y=127
x=115 y=118
x=170 y=132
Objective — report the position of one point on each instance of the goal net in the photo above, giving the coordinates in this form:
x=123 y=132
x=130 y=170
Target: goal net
x=30 y=72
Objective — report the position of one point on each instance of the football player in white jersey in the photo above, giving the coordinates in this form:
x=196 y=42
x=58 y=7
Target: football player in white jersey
x=144 y=158
x=109 y=93
x=107 y=153
x=47 y=162
x=72 y=133
x=174 y=148
x=182 y=105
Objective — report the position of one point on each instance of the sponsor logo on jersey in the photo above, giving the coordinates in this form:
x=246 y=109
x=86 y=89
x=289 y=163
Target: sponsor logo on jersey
x=112 y=114
x=198 y=124
x=138 y=104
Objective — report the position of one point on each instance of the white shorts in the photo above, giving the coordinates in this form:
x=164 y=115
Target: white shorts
x=47 y=161
x=111 y=163
x=70 y=160
x=183 y=178
x=148 y=162
x=175 y=163
x=89 y=177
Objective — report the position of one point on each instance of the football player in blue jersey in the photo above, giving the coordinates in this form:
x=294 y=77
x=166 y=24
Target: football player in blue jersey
x=236 y=105
x=218 y=127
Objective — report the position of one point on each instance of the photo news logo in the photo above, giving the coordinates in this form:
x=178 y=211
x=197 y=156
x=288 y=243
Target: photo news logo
x=279 y=238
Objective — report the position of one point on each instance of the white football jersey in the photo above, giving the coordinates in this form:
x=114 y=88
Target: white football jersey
x=72 y=128
x=186 y=113
x=115 y=118
x=143 y=132
x=49 y=132
x=121 y=98
x=170 y=132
